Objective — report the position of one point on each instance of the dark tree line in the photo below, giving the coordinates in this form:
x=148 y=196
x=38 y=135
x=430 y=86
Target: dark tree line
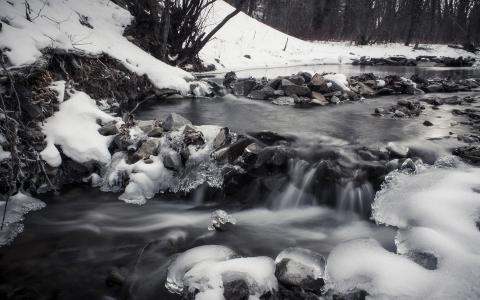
x=371 y=21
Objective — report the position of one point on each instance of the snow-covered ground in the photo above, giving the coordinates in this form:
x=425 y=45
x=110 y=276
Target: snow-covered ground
x=266 y=47
x=57 y=24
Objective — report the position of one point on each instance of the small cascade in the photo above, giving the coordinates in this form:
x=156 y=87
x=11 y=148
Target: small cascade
x=357 y=197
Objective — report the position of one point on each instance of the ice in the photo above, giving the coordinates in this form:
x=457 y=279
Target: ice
x=438 y=241
x=59 y=87
x=219 y=219
x=301 y=264
x=189 y=259
x=75 y=129
x=209 y=277
x=18 y=206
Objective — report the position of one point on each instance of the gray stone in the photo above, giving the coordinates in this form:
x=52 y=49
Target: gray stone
x=427 y=123
x=148 y=148
x=318 y=84
x=146 y=126
x=263 y=94
x=319 y=99
x=334 y=100
x=292 y=89
x=399 y=114
x=156 y=132
x=284 y=101
x=244 y=87
x=174 y=122
x=222 y=139
x=297 y=79
x=434 y=88
x=191 y=136
x=172 y=161
x=108 y=129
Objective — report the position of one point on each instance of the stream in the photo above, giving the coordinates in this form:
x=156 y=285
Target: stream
x=71 y=248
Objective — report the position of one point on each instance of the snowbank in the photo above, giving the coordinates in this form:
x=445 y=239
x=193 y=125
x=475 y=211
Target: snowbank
x=243 y=36
x=75 y=129
x=438 y=240
x=56 y=23
x=18 y=206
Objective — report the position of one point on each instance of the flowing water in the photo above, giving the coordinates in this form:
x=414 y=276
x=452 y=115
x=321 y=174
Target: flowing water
x=68 y=249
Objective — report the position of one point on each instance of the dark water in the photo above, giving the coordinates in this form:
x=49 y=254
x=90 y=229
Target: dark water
x=68 y=249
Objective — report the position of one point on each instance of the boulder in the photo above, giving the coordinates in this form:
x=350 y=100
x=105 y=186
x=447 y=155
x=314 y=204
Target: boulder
x=156 y=132
x=262 y=94
x=244 y=87
x=319 y=99
x=146 y=126
x=148 y=148
x=191 y=136
x=232 y=152
x=222 y=139
x=292 y=89
x=434 y=88
x=364 y=90
x=307 y=77
x=297 y=79
x=318 y=84
x=173 y=161
x=108 y=129
x=335 y=100
x=469 y=153
x=397 y=151
x=427 y=123
x=174 y=122
x=230 y=79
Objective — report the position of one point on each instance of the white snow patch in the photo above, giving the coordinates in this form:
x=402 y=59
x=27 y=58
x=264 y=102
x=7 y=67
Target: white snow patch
x=58 y=26
x=75 y=129
x=436 y=212
x=18 y=206
x=59 y=87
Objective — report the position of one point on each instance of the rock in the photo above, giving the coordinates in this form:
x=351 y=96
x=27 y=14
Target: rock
x=300 y=267
x=392 y=165
x=236 y=290
x=263 y=94
x=307 y=77
x=302 y=100
x=319 y=99
x=173 y=161
x=125 y=142
x=399 y=114
x=385 y=91
x=270 y=138
x=148 y=148
x=284 y=101
x=469 y=153
x=427 y=123
x=191 y=136
x=397 y=151
x=364 y=90
x=297 y=79
x=318 y=84
x=229 y=80
x=233 y=151
x=335 y=100
x=244 y=87
x=426 y=260
x=221 y=220
x=408 y=165
x=292 y=89
x=222 y=139
x=156 y=132
x=109 y=129
x=379 y=111
x=174 y=122
x=434 y=88
x=146 y=126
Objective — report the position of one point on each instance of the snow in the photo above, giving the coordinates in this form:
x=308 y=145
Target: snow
x=18 y=206
x=306 y=262
x=59 y=88
x=243 y=35
x=75 y=129
x=435 y=211
x=187 y=260
x=209 y=277
x=339 y=79
x=55 y=23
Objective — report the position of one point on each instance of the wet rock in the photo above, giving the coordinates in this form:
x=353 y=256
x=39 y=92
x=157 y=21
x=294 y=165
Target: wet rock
x=427 y=123
x=275 y=157
x=469 y=138
x=125 y=142
x=408 y=165
x=174 y=122
x=222 y=139
x=399 y=114
x=385 y=91
x=108 y=129
x=146 y=126
x=156 y=132
x=244 y=87
x=469 y=153
x=262 y=94
x=148 y=148
x=173 y=161
x=397 y=151
x=318 y=84
x=292 y=89
x=426 y=260
x=236 y=290
x=302 y=100
x=380 y=111
x=270 y=138
x=434 y=88
x=363 y=89
x=319 y=99
x=229 y=80
x=297 y=79
x=284 y=101
x=220 y=220
x=394 y=164
x=191 y=136
x=233 y=151
x=335 y=100
x=307 y=77
x=300 y=267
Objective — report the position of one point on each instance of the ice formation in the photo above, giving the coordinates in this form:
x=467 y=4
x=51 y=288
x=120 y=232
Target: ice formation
x=18 y=206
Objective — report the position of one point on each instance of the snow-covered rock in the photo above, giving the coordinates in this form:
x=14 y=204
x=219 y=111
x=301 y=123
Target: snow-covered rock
x=55 y=24
x=299 y=267
x=220 y=219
